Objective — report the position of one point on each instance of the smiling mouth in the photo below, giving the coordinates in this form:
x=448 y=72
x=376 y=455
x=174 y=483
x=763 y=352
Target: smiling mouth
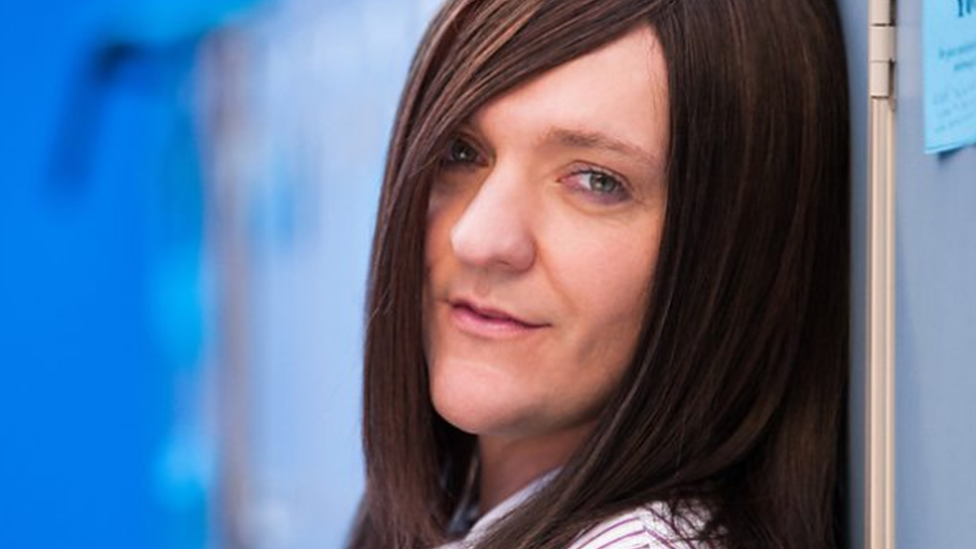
x=486 y=322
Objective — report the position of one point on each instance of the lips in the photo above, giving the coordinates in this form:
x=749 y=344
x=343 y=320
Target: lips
x=481 y=320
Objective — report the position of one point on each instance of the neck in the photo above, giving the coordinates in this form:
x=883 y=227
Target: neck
x=509 y=464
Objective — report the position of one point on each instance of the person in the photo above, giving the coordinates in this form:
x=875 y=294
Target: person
x=608 y=296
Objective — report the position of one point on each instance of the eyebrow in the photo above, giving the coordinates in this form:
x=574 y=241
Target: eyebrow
x=581 y=139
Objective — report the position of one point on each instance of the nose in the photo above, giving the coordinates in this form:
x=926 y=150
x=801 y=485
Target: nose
x=495 y=229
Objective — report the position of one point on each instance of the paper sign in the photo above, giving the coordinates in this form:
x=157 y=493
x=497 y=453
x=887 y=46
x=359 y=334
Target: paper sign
x=949 y=41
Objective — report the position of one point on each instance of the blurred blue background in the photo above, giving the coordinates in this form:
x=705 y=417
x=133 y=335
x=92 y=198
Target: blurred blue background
x=185 y=214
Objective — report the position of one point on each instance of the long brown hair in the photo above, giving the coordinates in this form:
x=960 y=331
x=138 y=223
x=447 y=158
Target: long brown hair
x=736 y=393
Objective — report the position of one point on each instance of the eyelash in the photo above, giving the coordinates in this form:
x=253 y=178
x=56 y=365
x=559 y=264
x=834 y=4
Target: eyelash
x=619 y=192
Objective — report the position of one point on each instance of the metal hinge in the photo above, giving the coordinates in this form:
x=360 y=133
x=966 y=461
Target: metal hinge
x=881 y=49
x=881 y=52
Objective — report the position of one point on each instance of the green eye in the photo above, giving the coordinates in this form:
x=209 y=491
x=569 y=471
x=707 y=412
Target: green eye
x=598 y=186
x=603 y=183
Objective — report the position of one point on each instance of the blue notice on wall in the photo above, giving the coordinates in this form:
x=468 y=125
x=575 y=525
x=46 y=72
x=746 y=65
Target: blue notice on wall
x=950 y=74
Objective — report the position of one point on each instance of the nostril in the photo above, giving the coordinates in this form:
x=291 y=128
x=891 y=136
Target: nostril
x=493 y=242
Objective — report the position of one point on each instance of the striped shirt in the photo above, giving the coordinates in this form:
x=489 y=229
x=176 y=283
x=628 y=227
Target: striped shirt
x=650 y=526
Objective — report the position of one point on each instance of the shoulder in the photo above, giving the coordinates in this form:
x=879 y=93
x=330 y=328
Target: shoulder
x=651 y=526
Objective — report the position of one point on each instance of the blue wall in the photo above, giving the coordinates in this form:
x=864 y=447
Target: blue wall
x=100 y=214
x=80 y=404
x=935 y=320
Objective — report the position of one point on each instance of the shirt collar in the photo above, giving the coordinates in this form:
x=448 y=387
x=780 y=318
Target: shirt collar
x=510 y=504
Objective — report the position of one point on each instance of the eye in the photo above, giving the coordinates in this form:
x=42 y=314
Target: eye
x=603 y=183
x=601 y=186
x=460 y=153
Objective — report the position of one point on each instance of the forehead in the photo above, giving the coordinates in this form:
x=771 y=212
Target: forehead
x=619 y=90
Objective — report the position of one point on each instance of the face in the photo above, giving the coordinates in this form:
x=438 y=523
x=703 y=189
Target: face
x=543 y=231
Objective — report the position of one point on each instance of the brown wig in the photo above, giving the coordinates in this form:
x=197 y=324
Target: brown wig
x=735 y=396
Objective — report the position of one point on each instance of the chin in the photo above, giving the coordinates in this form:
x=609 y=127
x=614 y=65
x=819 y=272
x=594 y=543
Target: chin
x=474 y=404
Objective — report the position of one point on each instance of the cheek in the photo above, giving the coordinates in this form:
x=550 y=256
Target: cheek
x=605 y=277
x=616 y=283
